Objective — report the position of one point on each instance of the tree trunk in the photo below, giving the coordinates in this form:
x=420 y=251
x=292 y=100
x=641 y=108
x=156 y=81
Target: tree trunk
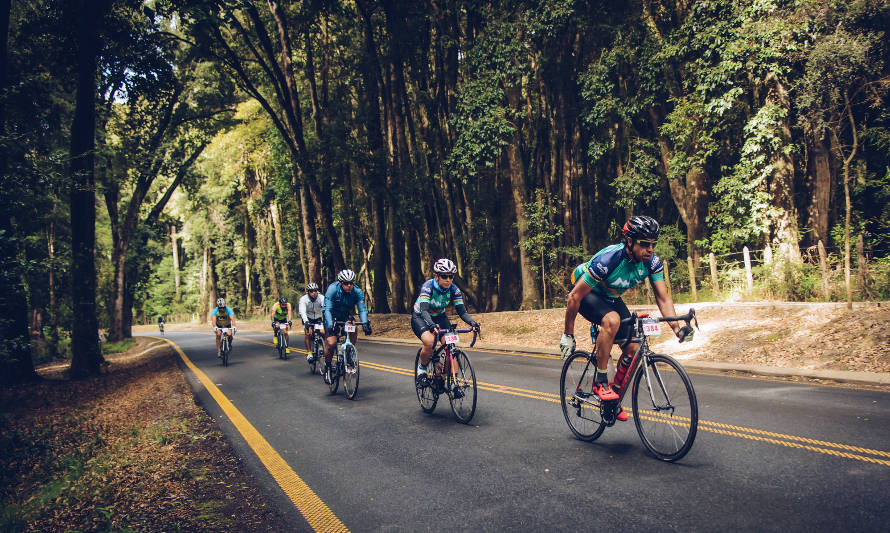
x=307 y=214
x=276 y=230
x=86 y=357
x=820 y=183
x=204 y=285
x=530 y=297
x=784 y=228
x=175 y=244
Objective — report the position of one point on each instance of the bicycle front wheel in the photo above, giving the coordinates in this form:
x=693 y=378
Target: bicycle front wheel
x=425 y=393
x=335 y=376
x=462 y=387
x=351 y=373
x=225 y=354
x=665 y=408
x=580 y=405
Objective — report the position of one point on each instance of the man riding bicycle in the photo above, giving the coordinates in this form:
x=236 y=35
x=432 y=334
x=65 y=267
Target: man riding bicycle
x=428 y=315
x=161 y=323
x=310 y=313
x=222 y=317
x=281 y=314
x=596 y=294
x=341 y=298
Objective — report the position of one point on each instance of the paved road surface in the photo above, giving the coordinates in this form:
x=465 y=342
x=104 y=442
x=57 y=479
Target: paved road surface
x=769 y=456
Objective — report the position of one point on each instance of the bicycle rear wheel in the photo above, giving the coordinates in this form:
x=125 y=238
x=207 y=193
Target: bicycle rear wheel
x=351 y=372
x=665 y=409
x=462 y=387
x=425 y=393
x=580 y=405
x=335 y=375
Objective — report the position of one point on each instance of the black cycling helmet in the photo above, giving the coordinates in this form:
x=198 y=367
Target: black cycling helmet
x=282 y=300
x=641 y=227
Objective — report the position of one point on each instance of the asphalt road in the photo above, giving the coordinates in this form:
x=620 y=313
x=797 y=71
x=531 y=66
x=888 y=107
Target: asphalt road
x=769 y=455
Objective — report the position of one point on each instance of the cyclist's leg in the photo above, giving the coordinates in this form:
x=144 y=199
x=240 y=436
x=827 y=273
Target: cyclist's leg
x=307 y=335
x=607 y=314
x=426 y=338
x=218 y=340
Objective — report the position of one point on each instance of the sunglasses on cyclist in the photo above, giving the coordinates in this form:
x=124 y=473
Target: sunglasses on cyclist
x=647 y=244
x=346 y=283
x=446 y=276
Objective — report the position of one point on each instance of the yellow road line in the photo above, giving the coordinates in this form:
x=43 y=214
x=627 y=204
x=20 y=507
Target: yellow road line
x=791 y=441
x=313 y=509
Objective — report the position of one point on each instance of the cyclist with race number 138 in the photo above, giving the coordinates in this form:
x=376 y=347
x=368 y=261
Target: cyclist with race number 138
x=428 y=315
x=596 y=294
x=340 y=300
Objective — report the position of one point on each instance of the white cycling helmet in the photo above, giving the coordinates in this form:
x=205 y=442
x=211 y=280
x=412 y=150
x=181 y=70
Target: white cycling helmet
x=346 y=276
x=311 y=287
x=220 y=302
x=444 y=266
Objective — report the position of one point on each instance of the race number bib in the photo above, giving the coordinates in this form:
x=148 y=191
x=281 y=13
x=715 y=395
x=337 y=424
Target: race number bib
x=349 y=328
x=451 y=338
x=651 y=327
x=319 y=327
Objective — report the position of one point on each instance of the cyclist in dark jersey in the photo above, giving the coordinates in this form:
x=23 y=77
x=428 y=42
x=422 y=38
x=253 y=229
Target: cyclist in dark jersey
x=428 y=315
x=596 y=294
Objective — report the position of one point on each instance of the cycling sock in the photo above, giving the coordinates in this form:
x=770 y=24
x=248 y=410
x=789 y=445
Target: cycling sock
x=602 y=376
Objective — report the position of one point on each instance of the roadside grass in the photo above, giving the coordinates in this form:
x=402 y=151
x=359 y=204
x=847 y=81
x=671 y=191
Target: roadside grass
x=127 y=451
x=109 y=348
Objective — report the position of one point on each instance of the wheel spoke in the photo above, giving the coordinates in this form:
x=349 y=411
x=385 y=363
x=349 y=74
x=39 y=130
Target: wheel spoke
x=581 y=408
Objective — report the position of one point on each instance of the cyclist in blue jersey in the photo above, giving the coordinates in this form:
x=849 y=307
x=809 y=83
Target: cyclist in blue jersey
x=340 y=300
x=596 y=294
x=428 y=315
x=222 y=316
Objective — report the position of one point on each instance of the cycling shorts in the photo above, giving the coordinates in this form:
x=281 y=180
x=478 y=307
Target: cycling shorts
x=418 y=326
x=594 y=307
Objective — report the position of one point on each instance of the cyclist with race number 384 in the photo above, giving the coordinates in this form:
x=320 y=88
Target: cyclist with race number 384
x=596 y=294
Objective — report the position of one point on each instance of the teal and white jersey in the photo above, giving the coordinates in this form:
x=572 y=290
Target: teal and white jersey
x=611 y=269
x=438 y=298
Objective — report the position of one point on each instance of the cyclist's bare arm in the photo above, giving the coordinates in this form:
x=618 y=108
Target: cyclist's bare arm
x=665 y=303
x=579 y=291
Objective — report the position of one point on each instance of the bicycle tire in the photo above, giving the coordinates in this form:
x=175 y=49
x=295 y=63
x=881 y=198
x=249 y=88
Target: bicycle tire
x=335 y=375
x=667 y=430
x=462 y=387
x=280 y=346
x=319 y=354
x=350 y=379
x=580 y=406
x=225 y=353
x=425 y=394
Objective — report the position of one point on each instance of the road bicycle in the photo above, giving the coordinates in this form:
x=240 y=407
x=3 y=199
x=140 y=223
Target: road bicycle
x=281 y=339
x=316 y=348
x=225 y=344
x=451 y=374
x=346 y=366
x=665 y=409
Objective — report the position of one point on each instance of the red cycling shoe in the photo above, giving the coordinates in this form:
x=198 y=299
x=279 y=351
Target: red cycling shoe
x=604 y=391
x=622 y=415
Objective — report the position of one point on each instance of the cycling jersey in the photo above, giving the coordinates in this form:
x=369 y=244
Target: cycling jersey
x=339 y=304
x=223 y=317
x=279 y=314
x=610 y=272
x=311 y=309
x=437 y=297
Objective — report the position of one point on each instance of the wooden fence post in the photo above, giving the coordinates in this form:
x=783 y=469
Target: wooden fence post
x=862 y=267
x=692 y=279
x=768 y=255
x=823 y=265
x=748 y=275
x=714 y=272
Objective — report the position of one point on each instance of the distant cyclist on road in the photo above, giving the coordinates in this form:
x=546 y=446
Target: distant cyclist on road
x=281 y=313
x=222 y=317
x=428 y=315
x=596 y=294
x=310 y=313
x=161 y=323
x=341 y=298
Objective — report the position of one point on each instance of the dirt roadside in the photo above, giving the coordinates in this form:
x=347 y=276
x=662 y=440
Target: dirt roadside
x=127 y=451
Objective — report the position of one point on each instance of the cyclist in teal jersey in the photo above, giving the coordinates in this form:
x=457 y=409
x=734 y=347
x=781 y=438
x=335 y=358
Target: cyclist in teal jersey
x=596 y=294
